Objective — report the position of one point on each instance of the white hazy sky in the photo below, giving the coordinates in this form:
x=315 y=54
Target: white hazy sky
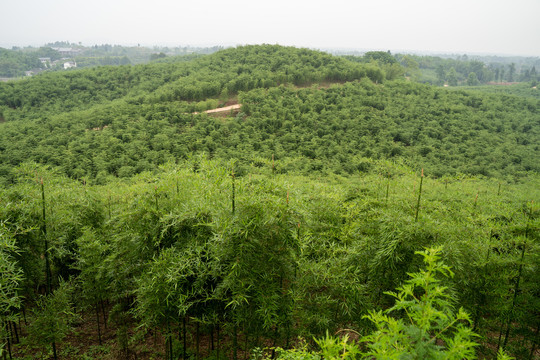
x=507 y=27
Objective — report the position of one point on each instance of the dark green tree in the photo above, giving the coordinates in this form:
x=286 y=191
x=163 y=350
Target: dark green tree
x=384 y=57
x=441 y=75
x=451 y=76
x=472 y=79
x=511 y=72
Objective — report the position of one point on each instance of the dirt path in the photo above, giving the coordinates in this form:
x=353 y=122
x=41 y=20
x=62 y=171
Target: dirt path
x=226 y=108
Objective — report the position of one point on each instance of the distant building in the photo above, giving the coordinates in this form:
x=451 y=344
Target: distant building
x=70 y=64
x=45 y=61
x=67 y=52
x=32 y=72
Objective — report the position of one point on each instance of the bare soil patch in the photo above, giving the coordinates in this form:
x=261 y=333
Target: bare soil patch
x=226 y=108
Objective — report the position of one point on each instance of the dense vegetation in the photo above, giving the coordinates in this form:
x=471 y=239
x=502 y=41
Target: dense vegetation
x=119 y=121
x=445 y=132
x=299 y=226
x=262 y=259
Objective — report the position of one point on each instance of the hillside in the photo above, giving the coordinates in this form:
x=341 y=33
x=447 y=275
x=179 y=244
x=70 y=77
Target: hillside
x=229 y=70
x=120 y=121
x=445 y=132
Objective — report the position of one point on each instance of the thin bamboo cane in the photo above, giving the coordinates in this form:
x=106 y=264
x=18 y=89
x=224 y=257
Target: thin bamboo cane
x=419 y=196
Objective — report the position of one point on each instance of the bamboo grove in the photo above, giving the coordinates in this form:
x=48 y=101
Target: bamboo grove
x=313 y=111
x=342 y=212
x=217 y=265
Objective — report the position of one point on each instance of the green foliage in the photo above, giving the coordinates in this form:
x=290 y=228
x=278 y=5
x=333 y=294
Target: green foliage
x=326 y=155
x=298 y=256
x=15 y=63
x=53 y=317
x=452 y=77
x=385 y=61
x=430 y=328
x=472 y=79
x=334 y=348
x=427 y=327
x=297 y=353
x=452 y=70
x=501 y=355
x=120 y=121
x=10 y=299
x=173 y=283
x=341 y=122
x=11 y=273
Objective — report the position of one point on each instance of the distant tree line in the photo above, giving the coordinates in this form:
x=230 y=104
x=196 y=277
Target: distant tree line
x=459 y=70
x=14 y=63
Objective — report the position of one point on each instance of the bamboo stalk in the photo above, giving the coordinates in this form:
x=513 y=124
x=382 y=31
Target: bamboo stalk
x=109 y=204
x=184 y=335
x=233 y=192
x=197 y=341
x=246 y=338
x=520 y=273
x=103 y=312
x=419 y=196
x=217 y=334
x=235 y=342
x=8 y=338
x=46 y=242
x=55 y=357
x=475 y=201
x=98 y=325
x=298 y=240
x=387 y=189
x=14 y=327
x=478 y=304
x=534 y=342
x=168 y=342
x=24 y=315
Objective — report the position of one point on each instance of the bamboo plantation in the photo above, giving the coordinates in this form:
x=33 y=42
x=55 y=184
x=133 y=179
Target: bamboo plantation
x=204 y=261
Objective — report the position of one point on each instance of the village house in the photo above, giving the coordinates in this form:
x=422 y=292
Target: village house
x=70 y=64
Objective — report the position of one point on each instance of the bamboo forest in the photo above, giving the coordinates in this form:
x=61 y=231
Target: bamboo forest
x=270 y=202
